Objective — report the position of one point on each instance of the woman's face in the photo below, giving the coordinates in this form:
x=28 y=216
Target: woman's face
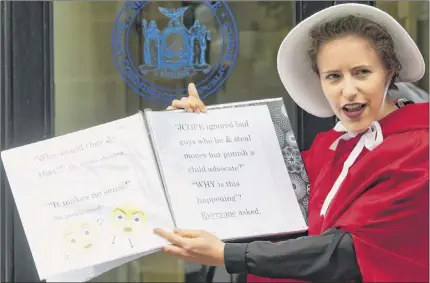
x=353 y=79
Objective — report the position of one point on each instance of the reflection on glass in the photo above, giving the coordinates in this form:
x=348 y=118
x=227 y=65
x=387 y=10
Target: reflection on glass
x=414 y=17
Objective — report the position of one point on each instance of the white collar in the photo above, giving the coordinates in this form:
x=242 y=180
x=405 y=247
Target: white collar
x=371 y=138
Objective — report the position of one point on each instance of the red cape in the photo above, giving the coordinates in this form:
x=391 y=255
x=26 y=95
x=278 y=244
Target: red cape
x=384 y=200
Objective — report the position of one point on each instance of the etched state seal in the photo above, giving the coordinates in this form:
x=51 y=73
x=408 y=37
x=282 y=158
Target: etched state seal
x=172 y=54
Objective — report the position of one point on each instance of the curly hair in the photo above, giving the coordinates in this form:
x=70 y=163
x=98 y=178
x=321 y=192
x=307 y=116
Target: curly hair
x=353 y=25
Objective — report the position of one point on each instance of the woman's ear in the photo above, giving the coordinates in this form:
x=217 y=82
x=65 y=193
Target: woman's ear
x=390 y=75
x=390 y=78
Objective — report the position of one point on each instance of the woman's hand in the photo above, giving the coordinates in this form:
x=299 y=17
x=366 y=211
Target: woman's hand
x=192 y=103
x=194 y=245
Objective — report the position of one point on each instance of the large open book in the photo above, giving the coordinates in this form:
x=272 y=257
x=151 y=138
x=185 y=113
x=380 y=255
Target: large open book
x=89 y=200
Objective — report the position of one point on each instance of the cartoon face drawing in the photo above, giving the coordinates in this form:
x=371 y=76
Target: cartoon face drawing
x=80 y=238
x=127 y=222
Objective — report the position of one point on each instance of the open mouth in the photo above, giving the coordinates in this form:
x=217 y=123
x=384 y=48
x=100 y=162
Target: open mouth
x=354 y=110
x=127 y=229
x=353 y=107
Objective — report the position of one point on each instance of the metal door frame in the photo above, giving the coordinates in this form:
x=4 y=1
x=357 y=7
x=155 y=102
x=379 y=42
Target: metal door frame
x=25 y=114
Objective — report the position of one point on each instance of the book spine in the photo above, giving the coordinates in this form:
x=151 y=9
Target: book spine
x=146 y=115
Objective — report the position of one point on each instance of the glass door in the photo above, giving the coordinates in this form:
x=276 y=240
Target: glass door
x=90 y=89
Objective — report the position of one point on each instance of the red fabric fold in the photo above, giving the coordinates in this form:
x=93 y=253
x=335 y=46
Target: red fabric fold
x=384 y=200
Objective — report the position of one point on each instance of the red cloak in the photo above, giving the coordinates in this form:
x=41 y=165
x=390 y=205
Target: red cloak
x=384 y=200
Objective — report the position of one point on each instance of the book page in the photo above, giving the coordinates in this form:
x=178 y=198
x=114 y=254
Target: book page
x=224 y=172
x=88 y=197
x=89 y=273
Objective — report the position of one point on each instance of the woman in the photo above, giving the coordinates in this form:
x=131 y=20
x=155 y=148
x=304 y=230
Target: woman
x=368 y=207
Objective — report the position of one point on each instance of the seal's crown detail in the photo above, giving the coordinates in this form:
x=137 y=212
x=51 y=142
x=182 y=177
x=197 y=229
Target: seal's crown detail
x=175 y=51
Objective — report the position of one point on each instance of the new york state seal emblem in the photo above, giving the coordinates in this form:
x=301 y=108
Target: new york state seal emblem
x=173 y=50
